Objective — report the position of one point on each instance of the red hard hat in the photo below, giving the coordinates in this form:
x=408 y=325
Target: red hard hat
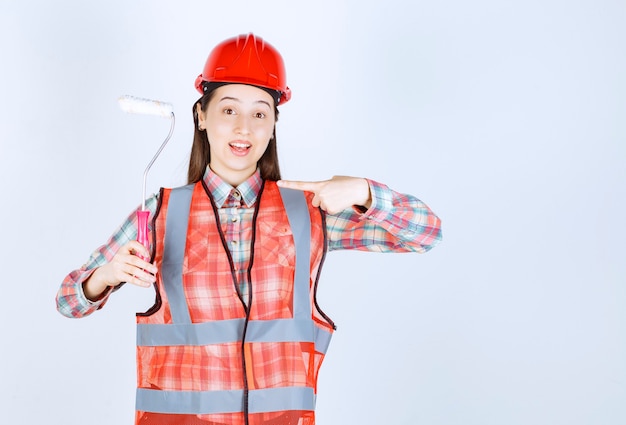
x=246 y=59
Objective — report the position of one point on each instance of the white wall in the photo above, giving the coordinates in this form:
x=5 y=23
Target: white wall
x=507 y=118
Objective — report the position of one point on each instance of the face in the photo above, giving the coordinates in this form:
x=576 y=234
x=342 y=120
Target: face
x=239 y=122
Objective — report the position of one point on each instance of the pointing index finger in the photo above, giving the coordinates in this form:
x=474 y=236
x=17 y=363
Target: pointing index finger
x=299 y=185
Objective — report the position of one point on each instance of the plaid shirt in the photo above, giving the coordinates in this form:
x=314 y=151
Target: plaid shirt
x=394 y=223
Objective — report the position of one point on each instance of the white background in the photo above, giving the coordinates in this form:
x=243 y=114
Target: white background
x=507 y=117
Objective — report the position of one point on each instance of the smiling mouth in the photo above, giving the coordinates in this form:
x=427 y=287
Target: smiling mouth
x=239 y=148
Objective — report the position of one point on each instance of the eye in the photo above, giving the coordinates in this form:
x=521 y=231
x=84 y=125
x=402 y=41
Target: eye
x=229 y=111
x=259 y=115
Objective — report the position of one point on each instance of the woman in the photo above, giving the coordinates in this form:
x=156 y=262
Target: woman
x=236 y=335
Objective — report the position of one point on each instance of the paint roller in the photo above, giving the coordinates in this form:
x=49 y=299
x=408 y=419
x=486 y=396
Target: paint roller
x=138 y=105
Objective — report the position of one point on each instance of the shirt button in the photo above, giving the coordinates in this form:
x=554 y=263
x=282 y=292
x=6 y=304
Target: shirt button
x=234 y=242
x=234 y=219
x=236 y=194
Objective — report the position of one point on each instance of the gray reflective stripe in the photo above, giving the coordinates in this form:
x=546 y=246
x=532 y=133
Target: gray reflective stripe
x=224 y=331
x=208 y=402
x=282 y=330
x=277 y=399
x=205 y=333
x=322 y=340
x=300 y=223
x=174 y=252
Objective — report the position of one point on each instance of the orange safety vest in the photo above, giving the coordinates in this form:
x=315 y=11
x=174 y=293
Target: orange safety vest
x=205 y=355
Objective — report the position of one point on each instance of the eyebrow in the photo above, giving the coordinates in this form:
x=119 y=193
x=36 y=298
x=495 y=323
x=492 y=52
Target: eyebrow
x=238 y=100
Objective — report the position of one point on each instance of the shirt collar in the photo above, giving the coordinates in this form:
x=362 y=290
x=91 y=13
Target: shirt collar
x=224 y=193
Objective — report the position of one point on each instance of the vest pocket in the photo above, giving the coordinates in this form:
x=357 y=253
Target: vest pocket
x=196 y=250
x=275 y=241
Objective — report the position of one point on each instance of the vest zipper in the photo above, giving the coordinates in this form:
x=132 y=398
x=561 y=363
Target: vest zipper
x=246 y=385
x=247 y=306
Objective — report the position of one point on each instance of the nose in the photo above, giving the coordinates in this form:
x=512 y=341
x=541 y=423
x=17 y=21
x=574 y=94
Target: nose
x=243 y=124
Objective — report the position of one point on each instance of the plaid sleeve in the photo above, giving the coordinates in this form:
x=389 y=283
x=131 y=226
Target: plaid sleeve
x=70 y=299
x=394 y=222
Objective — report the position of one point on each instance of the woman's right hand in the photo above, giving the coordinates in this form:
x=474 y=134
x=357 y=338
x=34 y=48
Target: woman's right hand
x=125 y=266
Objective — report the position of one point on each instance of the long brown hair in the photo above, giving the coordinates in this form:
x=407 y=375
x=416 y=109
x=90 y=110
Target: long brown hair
x=200 y=155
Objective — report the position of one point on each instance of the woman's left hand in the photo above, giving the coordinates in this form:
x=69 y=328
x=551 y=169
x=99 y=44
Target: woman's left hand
x=336 y=194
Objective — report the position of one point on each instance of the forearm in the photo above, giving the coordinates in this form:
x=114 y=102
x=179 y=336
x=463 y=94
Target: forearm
x=72 y=301
x=83 y=291
x=95 y=287
x=394 y=222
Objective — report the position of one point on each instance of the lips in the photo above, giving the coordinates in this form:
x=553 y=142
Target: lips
x=239 y=148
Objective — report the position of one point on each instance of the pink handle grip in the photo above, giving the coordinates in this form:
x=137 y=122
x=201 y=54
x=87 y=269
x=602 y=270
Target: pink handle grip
x=142 y=230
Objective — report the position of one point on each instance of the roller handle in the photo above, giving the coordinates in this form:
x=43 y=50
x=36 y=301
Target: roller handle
x=142 y=231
